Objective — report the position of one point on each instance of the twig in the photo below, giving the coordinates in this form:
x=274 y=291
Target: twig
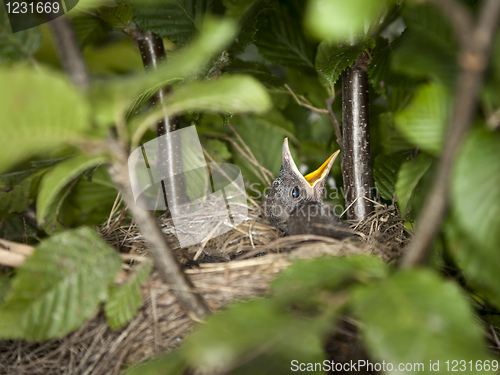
x=335 y=122
x=303 y=104
x=69 y=51
x=153 y=54
x=163 y=255
x=473 y=61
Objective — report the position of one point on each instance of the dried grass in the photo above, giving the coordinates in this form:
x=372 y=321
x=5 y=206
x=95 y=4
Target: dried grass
x=237 y=265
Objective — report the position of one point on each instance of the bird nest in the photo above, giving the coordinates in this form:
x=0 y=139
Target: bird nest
x=237 y=265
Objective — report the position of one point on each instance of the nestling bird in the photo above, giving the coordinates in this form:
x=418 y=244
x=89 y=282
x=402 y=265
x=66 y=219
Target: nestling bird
x=295 y=202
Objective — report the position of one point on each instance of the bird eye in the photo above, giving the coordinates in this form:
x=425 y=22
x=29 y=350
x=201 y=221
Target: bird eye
x=295 y=192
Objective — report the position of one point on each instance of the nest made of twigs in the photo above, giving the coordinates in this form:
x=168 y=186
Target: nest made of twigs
x=237 y=265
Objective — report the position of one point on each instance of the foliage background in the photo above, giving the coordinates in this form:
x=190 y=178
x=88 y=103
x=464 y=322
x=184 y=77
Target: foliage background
x=268 y=67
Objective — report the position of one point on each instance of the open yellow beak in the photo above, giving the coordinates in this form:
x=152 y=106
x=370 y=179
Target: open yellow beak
x=321 y=173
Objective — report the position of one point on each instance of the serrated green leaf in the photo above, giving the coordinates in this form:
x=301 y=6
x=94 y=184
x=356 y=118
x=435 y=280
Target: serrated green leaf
x=391 y=138
x=409 y=175
x=89 y=29
x=385 y=172
x=41 y=111
x=225 y=340
x=125 y=300
x=302 y=283
x=280 y=41
x=337 y=20
x=382 y=76
x=229 y=94
x=56 y=179
x=416 y=317
x=331 y=61
x=256 y=70
x=215 y=36
x=54 y=221
x=475 y=196
x=16 y=46
x=118 y=16
x=236 y=8
x=15 y=190
x=420 y=59
x=144 y=99
x=424 y=121
x=428 y=47
x=59 y=287
x=177 y=21
x=247 y=27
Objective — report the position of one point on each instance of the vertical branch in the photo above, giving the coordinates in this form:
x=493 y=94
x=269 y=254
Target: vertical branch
x=164 y=257
x=356 y=159
x=473 y=60
x=69 y=51
x=153 y=53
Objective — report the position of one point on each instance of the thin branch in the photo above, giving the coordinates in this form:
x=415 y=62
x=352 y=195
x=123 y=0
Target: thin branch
x=163 y=255
x=473 y=61
x=336 y=123
x=304 y=104
x=69 y=51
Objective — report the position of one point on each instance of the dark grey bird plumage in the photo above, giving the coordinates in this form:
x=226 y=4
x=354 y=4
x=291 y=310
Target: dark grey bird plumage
x=295 y=202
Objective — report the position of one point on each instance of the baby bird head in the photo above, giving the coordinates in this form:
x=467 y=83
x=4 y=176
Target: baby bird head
x=291 y=188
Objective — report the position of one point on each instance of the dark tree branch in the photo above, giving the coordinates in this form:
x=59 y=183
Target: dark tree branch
x=356 y=160
x=473 y=61
x=164 y=257
x=69 y=51
x=153 y=53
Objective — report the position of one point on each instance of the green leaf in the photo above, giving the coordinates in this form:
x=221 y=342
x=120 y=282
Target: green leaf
x=256 y=70
x=428 y=47
x=15 y=190
x=416 y=317
x=118 y=17
x=247 y=27
x=41 y=111
x=410 y=174
x=381 y=74
x=125 y=300
x=226 y=339
x=55 y=180
x=391 y=138
x=475 y=196
x=215 y=36
x=336 y=20
x=59 y=287
x=302 y=283
x=280 y=41
x=144 y=99
x=423 y=122
x=89 y=29
x=228 y=94
x=385 y=172
x=177 y=21
x=16 y=46
x=331 y=61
